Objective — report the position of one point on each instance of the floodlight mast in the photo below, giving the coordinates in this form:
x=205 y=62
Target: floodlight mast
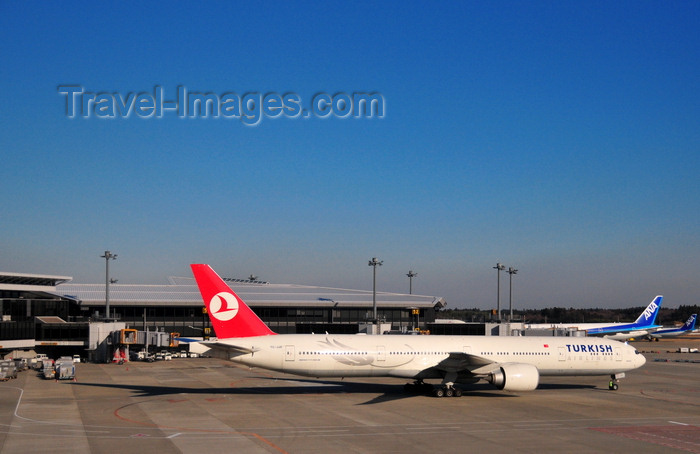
x=107 y=256
x=374 y=263
x=499 y=267
x=411 y=275
x=511 y=271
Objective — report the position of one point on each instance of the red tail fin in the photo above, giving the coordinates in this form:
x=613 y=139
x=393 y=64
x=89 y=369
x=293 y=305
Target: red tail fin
x=229 y=315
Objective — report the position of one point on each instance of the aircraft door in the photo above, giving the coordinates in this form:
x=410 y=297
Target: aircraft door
x=618 y=354
x=381 y=353
x=562 y=353
x=289 y=353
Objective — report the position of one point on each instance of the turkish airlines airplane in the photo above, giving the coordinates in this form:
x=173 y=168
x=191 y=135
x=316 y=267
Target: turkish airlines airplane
x=508 y=363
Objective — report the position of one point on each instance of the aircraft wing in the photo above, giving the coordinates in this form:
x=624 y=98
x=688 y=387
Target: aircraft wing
x=461 y=367
x=468 y=368
x=623 y=336
x=466 y=363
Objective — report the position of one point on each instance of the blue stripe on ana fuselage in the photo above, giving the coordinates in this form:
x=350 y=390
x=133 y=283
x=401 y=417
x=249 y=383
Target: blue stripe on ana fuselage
x=619 y=328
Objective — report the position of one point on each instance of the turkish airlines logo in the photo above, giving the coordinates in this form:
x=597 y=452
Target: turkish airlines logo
x=223 y=306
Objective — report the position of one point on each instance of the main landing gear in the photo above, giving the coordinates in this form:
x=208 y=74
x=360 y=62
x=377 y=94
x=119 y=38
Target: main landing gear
x=444 y=390
x=447 y=390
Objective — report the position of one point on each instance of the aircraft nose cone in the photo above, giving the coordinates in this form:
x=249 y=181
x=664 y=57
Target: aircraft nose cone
x=640 y=360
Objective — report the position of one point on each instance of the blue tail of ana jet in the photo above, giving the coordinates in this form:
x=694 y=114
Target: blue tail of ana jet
x=647 y=320
x=648 y=317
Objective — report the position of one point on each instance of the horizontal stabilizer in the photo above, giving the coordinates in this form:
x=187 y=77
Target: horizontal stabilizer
x=220 y=346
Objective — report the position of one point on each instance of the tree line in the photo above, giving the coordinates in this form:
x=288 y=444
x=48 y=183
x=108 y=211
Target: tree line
x=570 y=315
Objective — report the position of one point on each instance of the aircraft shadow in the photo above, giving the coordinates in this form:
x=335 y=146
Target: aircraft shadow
x=386 y=392
x=279 y=386
x=564 y=386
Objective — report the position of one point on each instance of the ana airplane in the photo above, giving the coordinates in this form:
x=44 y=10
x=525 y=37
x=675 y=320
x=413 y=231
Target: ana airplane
x=689 y=325
x=645 y=324
x=509 y=363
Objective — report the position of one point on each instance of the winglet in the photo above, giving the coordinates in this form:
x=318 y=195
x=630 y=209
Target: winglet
x=229 y=314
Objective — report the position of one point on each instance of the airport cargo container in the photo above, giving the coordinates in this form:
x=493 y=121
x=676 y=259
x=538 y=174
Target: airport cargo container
x=48 y=369
x=64 y=369
x=21 y=364
x=8 y=369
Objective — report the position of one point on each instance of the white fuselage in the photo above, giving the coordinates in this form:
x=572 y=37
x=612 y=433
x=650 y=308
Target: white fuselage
x=574 y=326
x=668 y=333
x=413 y=356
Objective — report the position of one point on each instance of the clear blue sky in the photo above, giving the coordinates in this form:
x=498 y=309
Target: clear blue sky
x=561 y=138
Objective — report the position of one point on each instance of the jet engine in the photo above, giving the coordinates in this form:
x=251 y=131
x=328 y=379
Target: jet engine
x=515 y=377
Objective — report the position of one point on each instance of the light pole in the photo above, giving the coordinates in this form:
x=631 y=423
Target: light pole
x=511 y=271
x=498 y=269
x=108 y=255
x=374 y=263
x=411 y=275
x=335 y=305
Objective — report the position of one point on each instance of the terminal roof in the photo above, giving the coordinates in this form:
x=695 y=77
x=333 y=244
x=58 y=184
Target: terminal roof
x=183 y=292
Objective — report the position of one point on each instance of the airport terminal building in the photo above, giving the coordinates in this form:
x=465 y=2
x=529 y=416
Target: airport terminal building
x=52 y=314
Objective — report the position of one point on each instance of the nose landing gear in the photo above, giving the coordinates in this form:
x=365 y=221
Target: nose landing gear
x=613 y=384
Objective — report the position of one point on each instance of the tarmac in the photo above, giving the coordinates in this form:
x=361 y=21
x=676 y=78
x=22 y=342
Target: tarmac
x=210 y=406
